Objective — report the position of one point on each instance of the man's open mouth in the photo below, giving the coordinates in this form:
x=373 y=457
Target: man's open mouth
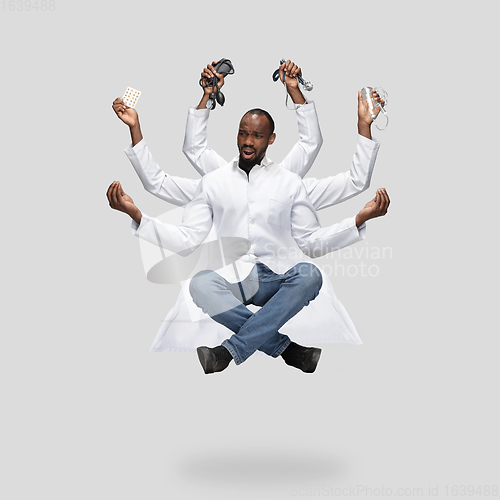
x=247 y=153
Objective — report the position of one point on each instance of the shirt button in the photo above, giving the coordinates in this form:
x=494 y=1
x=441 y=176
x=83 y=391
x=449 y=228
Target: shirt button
x=250 y=201
x=252 y=221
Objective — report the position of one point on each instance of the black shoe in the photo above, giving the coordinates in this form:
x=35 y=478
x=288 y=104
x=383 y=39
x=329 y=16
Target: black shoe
x=214 y=359
x=303 y=358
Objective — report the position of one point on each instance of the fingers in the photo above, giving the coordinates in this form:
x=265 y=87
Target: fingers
x=111 y=195
x=362 y=105
x=377 y=98
x=209 y=72
x=108 y=194
x=384 y=201
x=119 y=106
x=114 y=195
x=117 y=103
x=376 y=207
x=291 y=69
x=115 y=198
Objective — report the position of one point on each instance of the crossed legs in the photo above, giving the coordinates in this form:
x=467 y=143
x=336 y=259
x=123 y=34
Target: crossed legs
x=281 y=296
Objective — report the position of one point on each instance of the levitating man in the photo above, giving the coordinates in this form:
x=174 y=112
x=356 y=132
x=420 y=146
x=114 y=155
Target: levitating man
x=329 y=322
x=253 y=198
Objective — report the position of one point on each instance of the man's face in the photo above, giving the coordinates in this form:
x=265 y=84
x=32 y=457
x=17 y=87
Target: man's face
x=253 y=139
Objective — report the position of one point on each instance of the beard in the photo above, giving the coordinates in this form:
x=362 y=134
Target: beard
x=249 y=157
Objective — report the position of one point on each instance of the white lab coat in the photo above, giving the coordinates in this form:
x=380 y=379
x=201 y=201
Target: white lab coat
x=324 y=319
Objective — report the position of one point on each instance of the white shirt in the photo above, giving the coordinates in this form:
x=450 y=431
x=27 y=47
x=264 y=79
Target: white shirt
x=270 y=208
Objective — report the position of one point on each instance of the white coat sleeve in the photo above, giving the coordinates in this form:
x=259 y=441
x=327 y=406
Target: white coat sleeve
x=176 y=190
x=195 y=145
x=185 y=238
x=315 y=240
x=301 y=157
x=337 y=188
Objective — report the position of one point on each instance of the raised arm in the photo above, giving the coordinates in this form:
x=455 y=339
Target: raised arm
x=338 y=188
x=195 y=146
x=176 y=190
x=301 y=157
x=335 y=189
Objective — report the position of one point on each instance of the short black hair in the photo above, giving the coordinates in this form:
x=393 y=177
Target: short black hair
x=262 y=112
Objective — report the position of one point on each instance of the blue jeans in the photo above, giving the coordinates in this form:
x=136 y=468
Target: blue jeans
x=281 y=296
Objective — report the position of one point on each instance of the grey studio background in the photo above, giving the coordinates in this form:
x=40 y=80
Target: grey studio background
x=89 y=412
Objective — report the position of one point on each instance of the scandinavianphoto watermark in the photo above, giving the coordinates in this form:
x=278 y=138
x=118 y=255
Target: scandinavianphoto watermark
x=356 y=261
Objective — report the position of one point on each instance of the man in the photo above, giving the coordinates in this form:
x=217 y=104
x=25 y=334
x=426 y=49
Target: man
x=325 y=319
x=253 y=198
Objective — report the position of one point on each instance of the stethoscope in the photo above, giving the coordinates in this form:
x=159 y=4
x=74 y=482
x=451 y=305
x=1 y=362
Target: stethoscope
x=306 y=85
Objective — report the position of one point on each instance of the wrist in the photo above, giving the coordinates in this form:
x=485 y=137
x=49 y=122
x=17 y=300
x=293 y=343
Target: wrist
x=364 y=129
x=135 y=133
x=136 y=215
x=296 y=95
x=203 y=102
x=360 y=220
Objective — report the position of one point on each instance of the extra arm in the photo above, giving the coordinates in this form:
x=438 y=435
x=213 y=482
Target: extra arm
x=335 y=189
x=185 y=238
x=316 y=241
x=176 y=190
x=338 y=188
x=195 y=146
x=301 y=157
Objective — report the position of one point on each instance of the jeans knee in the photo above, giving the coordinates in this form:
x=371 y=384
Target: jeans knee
x=200 y=284
x=312 y=278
